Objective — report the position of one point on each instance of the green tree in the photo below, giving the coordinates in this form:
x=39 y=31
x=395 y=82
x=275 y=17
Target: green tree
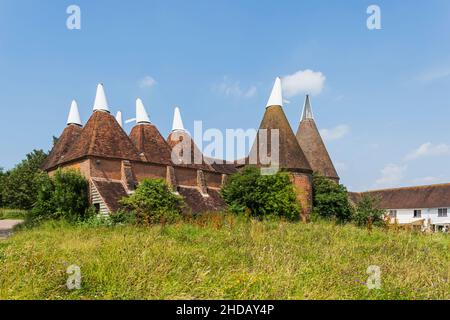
x=2 y=177
x=65 y=195
x=19 y=190
x=368 y=207
x=261 y=195
x=330 y=200
x=153 y=202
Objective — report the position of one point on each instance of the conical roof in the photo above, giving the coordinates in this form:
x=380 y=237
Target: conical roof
x=103 y=137
x=196 y=159
x=291 y=156
x=58 y=154
x=311 y=142
x=149 y=141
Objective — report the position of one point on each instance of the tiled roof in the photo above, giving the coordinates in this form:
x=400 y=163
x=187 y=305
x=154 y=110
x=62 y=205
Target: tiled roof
x=431 y=196
x=291 y=156
x=148 y=140
x=311 y=142
x=111 y=192
x=103 y=137
x=70 y=134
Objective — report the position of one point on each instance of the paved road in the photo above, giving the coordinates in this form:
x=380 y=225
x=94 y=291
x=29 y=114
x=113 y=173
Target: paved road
x=6 y=227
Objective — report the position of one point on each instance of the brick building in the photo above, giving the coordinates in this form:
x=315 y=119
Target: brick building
x=114 y=162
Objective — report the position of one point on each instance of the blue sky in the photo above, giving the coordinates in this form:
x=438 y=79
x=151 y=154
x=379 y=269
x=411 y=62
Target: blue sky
x=383 y=99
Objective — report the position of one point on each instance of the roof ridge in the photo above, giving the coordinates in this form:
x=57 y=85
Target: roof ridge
x=408 y=187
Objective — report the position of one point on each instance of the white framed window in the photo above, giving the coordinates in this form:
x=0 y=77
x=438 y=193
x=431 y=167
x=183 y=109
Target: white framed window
x=393 y=213
x=442 y=212
x=417 y=213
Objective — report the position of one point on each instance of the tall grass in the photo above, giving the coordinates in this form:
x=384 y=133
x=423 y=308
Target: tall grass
x=12 y=214
x=223 y=257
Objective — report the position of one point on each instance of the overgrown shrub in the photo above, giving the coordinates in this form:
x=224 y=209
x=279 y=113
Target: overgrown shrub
x=154 y=202
x=2 y=177
x=368 y=208
x=65 y=195
x=330 y=200
x=261 y=195
x=123 y=217
x=18 y=189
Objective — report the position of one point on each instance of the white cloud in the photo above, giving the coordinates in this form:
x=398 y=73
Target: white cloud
x=231 y=88
x=147 y=82
x=391 y=175
x=335 y=133
x=433 y=75
x=303 y=81
x=429 y=150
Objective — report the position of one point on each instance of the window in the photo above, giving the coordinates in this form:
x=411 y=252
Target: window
x=442 y=212
x=417 y=213
x=393 y=213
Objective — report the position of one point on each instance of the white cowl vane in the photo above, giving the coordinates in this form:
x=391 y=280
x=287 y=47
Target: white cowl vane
x=276 y=97
x=101 y=104
x=141 y=113
x=177 y=124
x=74 y=115
x=119 y=118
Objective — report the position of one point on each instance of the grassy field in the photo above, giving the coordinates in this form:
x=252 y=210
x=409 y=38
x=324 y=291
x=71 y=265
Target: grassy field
x=223 y=258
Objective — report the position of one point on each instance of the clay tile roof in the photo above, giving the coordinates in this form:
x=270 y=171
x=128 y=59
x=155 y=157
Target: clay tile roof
x=291 y=156
x=149 y=141
x=419 y=197
x=103 y=137
x=70 y=134
x=197 y=203
x=177 y=137
x=311 y=142
x=111 y=192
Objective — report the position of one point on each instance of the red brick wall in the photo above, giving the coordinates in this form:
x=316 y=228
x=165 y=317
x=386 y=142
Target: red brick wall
x=213 y=180
x=186 y=176
x=106 y=168
x=148 y=171
x=303 y=188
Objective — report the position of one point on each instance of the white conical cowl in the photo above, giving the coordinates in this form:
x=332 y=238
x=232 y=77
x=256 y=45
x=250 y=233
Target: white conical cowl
x=141 y=113
x=74 y=114
x=101 y=104
x=276 y=97
x=119 y=118
x=307 y=109
x=177 y=121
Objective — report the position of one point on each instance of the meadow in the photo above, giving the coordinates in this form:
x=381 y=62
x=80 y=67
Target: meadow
x=223 y=257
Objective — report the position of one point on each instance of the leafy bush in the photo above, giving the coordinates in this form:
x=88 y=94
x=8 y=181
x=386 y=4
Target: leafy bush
x=330 y=200
x=261 y=195
x=17 y=187
x=153 y=202
x=368 y=208
x=2 y=178
x=63 y=196
x=123 y=217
